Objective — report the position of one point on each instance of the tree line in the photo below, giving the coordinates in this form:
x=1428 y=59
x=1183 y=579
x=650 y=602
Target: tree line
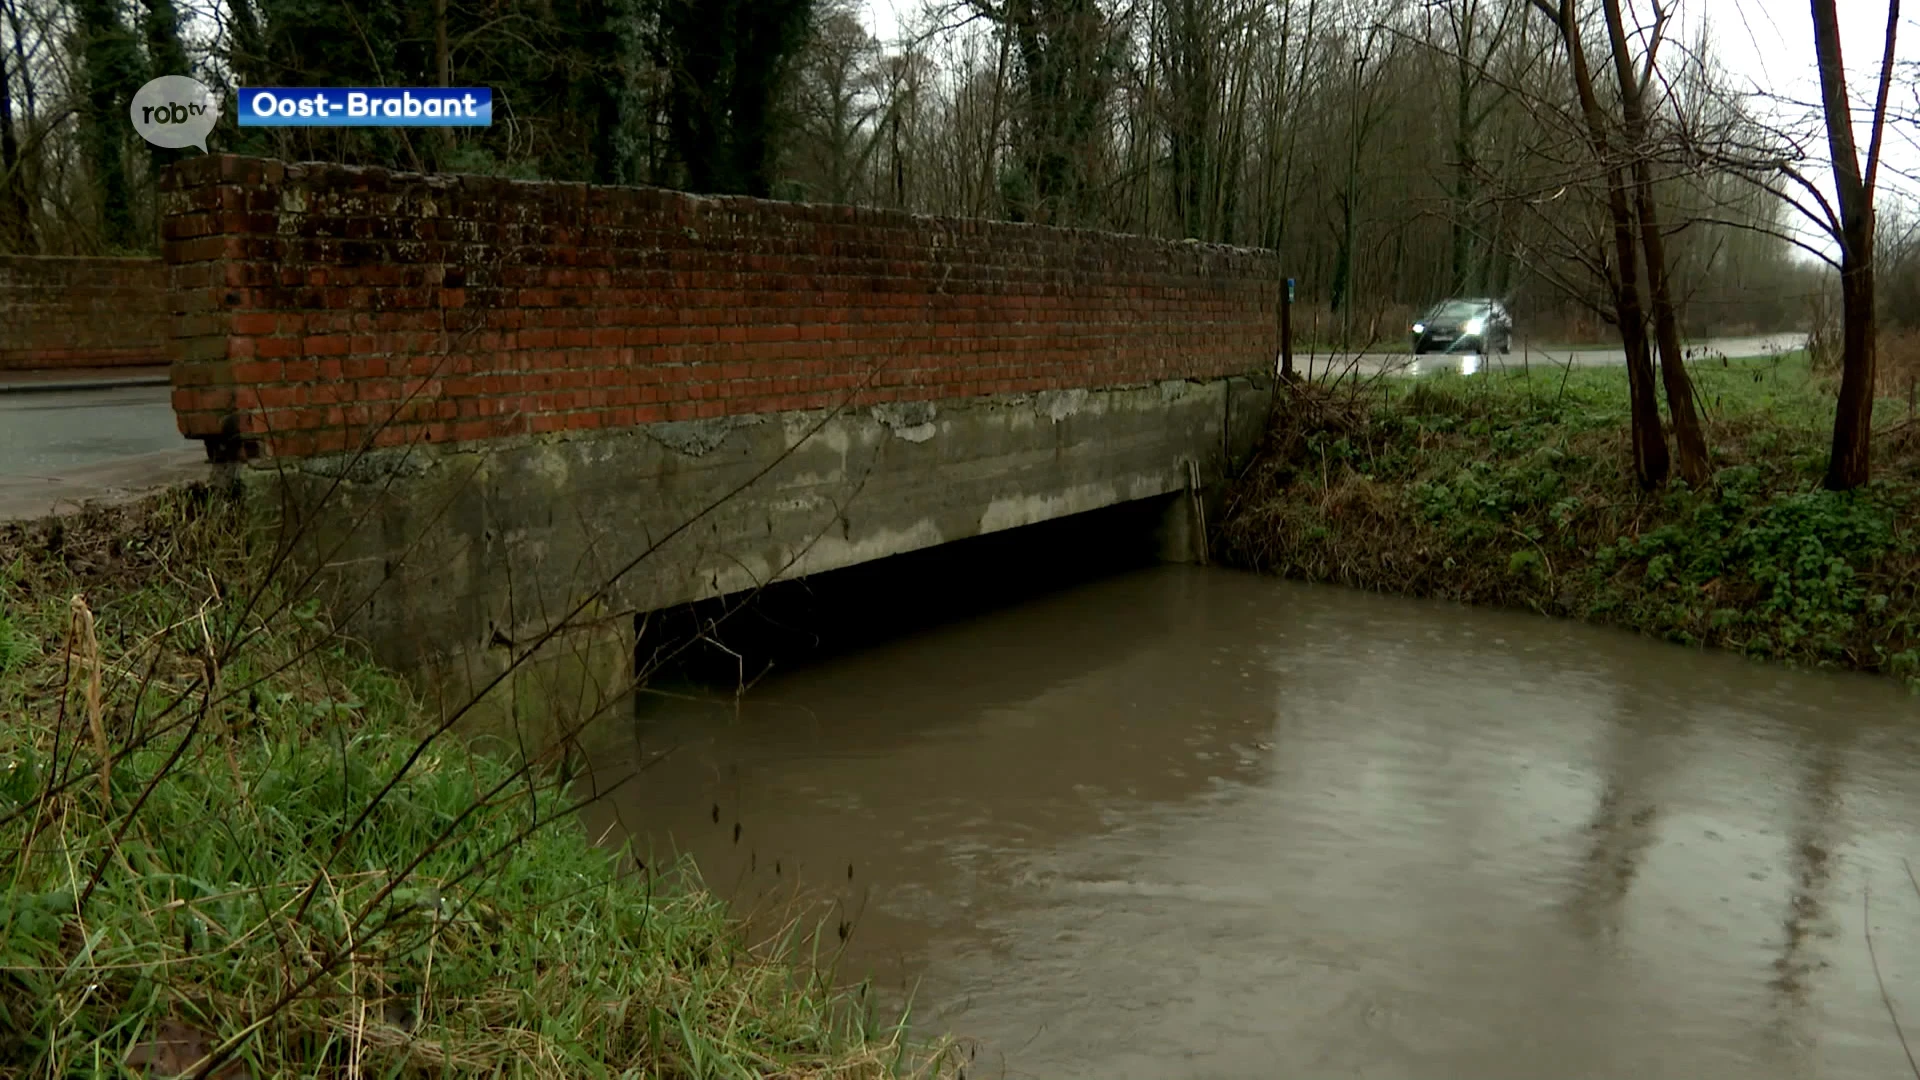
x=1575 y=158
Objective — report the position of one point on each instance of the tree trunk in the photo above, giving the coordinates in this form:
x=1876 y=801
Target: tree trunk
x=1850 y=463
x=1066 y=61
x=1462 y=269
x=166 y=55
x=442 y=55
x=1463 y=143
x=990 y=157
x=727 y=64
x=1650 y=460
x=1189 y=82
x=112 y=65
x=16 y=227
x=1291 y=89
x=1688 y=437
x=248 y=51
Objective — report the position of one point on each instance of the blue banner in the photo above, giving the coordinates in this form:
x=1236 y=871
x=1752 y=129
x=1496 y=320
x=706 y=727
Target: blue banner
x=366 y=106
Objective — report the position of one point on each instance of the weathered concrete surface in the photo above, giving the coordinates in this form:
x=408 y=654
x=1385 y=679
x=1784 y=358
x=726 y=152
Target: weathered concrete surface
x=449 y=560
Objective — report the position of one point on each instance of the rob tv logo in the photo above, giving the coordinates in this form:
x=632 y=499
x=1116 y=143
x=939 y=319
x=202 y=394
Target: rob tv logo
x=174 y=111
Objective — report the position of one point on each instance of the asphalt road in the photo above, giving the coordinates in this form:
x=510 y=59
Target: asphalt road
x=1525 y=355
x=66 y=446
x=60 y=447
x=46 y=433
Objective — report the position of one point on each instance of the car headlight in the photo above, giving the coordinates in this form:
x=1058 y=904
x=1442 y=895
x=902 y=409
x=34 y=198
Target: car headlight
x=1475 y=325
x=1419 y=328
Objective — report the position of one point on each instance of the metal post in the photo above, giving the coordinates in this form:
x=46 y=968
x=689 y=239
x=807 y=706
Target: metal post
x=1286 y=332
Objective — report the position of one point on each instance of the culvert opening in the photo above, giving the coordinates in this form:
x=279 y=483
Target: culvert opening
x=716 y=644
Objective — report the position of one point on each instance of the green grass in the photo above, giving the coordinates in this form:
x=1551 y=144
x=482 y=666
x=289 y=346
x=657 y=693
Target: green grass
x=1515 y=489
x=181 y=858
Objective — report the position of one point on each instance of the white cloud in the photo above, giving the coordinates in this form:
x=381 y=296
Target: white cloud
x=886 y=19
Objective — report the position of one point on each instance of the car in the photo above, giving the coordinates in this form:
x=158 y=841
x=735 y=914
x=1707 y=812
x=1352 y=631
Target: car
x=1464 y=325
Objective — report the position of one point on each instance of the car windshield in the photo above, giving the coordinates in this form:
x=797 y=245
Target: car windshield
x=1456 y=309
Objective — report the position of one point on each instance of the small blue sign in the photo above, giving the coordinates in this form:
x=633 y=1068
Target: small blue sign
x=366 y=106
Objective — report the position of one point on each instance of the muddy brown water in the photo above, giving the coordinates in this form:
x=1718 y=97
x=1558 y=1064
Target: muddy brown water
x=1193 y=823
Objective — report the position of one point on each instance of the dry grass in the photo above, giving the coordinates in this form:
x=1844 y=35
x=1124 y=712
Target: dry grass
x=1897 y=366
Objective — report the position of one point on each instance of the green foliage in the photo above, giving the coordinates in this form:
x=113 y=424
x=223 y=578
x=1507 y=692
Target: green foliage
x=276 y=857
x=728 y=62
x=1514 y=489
x=585 y=83
x=113 y=69
x=476 y=160
x=1802 y=558
x=565 y=77
x=1068 y=55
x=15 y=646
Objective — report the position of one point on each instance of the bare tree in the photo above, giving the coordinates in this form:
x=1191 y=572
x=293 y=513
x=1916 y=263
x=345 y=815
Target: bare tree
x=1369 y=103
x=1476 y=95
x=1291 y=68
x=836 y=103
x=1440 y=167
x=1688 y=437
x=1851 y=462
x=1651 y=461
x=16 y=224
x=1202 y=52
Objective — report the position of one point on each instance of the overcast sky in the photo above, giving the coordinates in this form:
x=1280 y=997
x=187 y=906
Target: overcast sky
x=1766 y=44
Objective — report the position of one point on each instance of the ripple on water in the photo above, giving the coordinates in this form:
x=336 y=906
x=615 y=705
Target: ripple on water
x=1190 y=823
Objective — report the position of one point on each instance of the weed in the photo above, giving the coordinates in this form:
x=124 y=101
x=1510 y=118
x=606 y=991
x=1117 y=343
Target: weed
x=1501 y=489
x=158 y=862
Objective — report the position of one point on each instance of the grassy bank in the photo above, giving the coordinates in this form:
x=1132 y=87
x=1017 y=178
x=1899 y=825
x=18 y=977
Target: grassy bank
x=1514 y=489
x=205 y=848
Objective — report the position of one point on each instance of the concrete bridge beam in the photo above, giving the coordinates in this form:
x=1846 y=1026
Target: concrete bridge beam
x=467 y=553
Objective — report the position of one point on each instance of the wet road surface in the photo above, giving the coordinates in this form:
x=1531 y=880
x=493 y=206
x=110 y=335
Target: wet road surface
x=1525 y=355
x=58 y=447
x=43 y=434
x=1193 y=823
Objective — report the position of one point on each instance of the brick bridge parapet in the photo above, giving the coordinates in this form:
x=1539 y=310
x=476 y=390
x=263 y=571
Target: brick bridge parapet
x=320 y=305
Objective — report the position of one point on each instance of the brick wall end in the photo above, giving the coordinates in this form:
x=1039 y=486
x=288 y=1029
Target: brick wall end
x=316 y=306
x=210 y=206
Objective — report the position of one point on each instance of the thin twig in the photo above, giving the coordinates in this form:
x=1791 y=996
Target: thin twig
x=1886 y=999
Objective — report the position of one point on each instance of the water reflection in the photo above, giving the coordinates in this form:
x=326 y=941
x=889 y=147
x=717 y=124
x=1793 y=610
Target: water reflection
x=1462 y=363
x=1191 y=823
x=932 y=765
x=1636 y=755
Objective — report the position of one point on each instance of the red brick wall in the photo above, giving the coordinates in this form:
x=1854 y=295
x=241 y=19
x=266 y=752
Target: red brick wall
x=318 y=303
x=81 y=313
